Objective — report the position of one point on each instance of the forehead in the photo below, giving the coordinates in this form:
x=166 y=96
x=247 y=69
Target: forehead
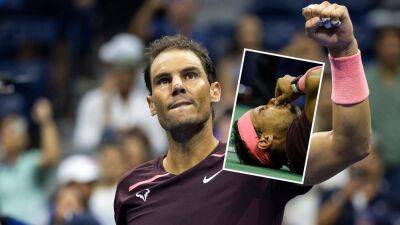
x=174 y=60
x=12 y=121
x=260 y=117
x=254 y=117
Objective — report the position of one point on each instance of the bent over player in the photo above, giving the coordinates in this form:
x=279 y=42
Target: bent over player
x=188 y=186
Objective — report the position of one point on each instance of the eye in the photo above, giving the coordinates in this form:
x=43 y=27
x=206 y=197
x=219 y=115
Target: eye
x=190 y=75
x=163 y=80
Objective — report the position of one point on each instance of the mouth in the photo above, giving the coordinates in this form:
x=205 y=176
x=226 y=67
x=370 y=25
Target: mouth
x=179 y=103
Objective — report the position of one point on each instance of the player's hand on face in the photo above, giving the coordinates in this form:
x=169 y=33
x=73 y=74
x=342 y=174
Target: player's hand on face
x=336 y=38
x=283 y=90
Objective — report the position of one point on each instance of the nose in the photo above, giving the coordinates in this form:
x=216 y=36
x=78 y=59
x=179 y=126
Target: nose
x=177 y=86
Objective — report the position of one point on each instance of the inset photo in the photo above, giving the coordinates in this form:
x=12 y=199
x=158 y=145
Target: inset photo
x=272 y=120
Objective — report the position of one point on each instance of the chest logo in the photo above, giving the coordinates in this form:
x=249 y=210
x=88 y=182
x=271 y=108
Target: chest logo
x=143 y=194
x=208 y=179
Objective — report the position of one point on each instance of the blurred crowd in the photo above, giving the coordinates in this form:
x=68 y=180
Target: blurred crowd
x=76 y=118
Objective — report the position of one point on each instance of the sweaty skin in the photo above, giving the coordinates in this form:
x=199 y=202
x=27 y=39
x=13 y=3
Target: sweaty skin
x=285 y=94
x=274 y=119
x=181 y=98
x=350 y=139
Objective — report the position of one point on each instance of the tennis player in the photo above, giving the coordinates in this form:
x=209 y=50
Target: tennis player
x=278 y=133
x=188 y=186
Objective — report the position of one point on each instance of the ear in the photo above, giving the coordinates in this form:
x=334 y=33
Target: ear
x=265 y=141
x=215 y=92
x=152 y=107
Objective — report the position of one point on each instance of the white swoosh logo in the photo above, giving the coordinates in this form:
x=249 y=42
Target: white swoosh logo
x=206 y=180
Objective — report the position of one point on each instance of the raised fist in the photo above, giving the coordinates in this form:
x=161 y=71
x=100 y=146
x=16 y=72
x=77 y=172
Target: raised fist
x=330 y=26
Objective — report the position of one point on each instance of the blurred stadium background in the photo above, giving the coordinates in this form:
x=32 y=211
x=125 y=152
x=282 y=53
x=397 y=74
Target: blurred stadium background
x=78 y=119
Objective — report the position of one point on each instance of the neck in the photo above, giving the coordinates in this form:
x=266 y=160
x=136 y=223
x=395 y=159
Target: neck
x=281 y=146
x=278 y=157
x=187 y=147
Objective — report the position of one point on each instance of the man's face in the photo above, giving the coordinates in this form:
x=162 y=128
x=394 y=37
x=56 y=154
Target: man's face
x=181 y=94
x=182 y=10
x=135 y=151
x=249 y=32
x=124 y=80
x=388 y=48
x=14 y=136
x=112 y=163
x=274 y=119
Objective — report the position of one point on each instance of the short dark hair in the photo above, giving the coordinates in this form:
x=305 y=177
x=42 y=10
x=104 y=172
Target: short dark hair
x=244 y=155
x=177 y=42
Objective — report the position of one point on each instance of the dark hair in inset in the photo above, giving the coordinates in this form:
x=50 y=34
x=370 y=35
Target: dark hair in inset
x=177 y=42
x=241 y=149
x=245 y=157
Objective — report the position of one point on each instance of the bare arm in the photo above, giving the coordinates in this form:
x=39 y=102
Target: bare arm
x=312 y=84
x=284 y=92
x=50 y=143
x=347 y=143
x=349 y=140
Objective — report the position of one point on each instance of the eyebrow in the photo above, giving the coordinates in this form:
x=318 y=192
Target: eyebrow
x=190 y=69
x=166 y=74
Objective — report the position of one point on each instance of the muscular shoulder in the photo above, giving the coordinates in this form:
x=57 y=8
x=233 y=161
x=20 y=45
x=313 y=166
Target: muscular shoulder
x=313 y=78
x=136 y=176
x=139 y=173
